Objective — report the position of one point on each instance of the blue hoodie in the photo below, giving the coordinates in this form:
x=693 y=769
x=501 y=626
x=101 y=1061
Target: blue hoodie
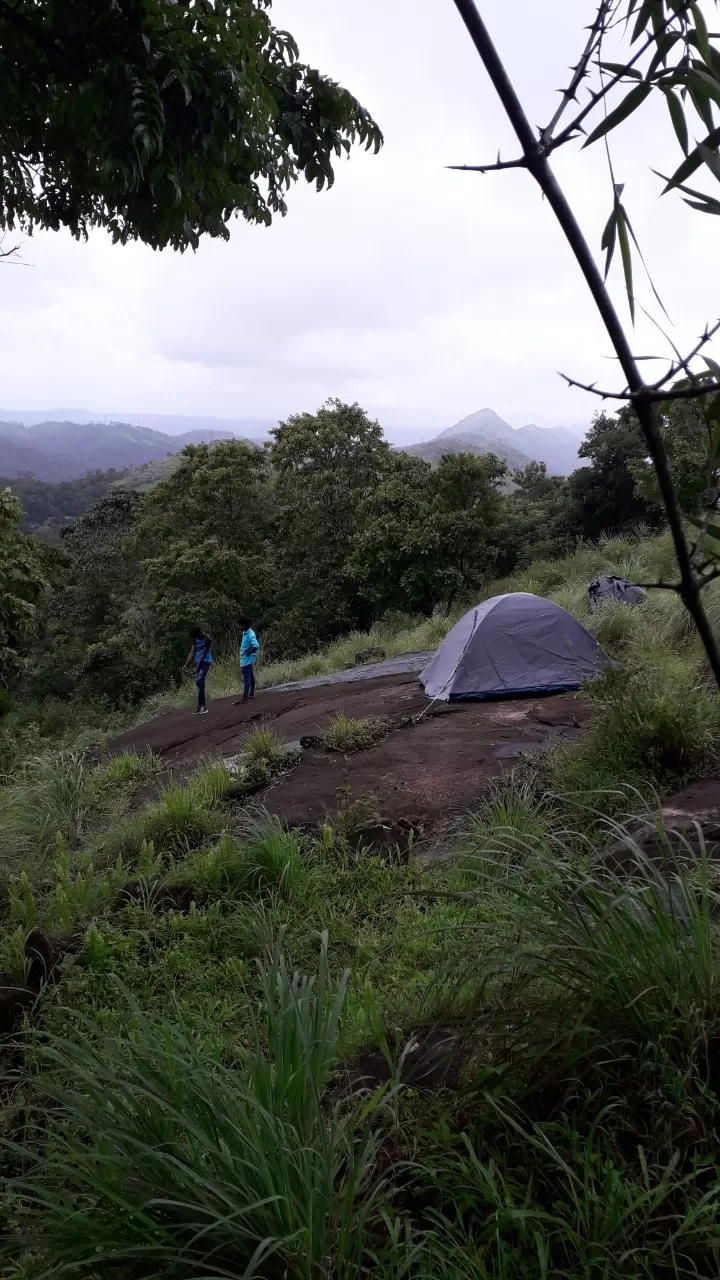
x=249 y=648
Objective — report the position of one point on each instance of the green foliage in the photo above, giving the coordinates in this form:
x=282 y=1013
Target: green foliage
x=327 y=465
x=185 y=1166
x=161 y=123
x=347 y=734
x=48 y=799
x=263 y=744
x=48 y=507
x=688 y=436
x=22 y=578
x=604 y=497
x=271 y=857
x=430 y=535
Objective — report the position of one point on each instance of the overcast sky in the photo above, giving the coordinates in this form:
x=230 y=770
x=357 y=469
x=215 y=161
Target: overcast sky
x=421 y=293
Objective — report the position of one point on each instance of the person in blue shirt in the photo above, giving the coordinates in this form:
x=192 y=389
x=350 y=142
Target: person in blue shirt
x=200 y=656
x=249 y=649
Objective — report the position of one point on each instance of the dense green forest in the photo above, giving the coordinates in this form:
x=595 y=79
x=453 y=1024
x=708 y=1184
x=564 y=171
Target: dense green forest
x=325 y=531
x=47 y=507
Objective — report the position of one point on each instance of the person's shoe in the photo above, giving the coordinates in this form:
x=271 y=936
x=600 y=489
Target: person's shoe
x=203 y=711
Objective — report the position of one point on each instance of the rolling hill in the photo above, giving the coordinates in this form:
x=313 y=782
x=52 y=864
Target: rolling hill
x=57 y=451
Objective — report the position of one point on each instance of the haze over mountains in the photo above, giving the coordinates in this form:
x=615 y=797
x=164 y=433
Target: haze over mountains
x=55 y=450
x=486 y=432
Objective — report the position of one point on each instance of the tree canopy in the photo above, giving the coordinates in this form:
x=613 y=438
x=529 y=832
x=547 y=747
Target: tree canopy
x=160 y=120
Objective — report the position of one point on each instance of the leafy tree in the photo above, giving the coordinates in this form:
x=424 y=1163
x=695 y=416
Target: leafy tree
x=326 y=466
x=218 y=491
x=159 y=120
x=605 y=497
x=535 y=522
x=23 y=576
x=430 y=536
x=690 y=446
x=204 y=541
x=103 y=568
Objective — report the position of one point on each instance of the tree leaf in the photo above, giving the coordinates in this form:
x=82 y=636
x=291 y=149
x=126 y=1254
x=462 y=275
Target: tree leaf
x=677 y=115
x=713 y=366
x=622 y=69
x=630 y=103
x=693 y=161
x=701 y=32
x=626 y=255
x=711 y=159
x=608 y=241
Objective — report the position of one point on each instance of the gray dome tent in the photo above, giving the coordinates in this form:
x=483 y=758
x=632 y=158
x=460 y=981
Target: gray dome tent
x=509 y=645
x=608 y=588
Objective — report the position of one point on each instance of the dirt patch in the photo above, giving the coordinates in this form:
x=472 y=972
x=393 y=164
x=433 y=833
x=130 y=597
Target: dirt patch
x=437 y=761
x=698 y=802
x=431 y=1059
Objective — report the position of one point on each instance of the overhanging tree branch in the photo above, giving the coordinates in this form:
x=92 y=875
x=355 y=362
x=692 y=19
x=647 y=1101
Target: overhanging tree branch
x=695 y=392
x=642 y=396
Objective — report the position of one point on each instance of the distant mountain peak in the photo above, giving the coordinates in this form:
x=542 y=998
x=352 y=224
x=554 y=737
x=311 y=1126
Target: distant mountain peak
x=486 y=432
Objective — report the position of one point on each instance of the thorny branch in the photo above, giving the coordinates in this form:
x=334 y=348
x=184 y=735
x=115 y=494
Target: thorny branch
x=647 y=393
x=535 y=153
x=581 y=70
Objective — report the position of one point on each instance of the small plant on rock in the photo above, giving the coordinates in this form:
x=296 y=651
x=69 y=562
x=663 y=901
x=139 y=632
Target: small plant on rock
x=346 y=734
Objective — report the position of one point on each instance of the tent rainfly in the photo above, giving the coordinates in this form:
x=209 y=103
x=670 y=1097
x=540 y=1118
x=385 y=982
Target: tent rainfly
x=510 y=645
x=608 y=588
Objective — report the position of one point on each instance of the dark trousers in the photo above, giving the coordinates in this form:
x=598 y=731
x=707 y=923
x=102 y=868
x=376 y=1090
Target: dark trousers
x=200 y=677
x=248 y=675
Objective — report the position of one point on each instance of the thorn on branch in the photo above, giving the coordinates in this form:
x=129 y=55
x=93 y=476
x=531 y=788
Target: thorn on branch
x=521 y=163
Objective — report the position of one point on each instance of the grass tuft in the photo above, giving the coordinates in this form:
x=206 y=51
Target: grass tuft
x=263 y=744
x=347 y=734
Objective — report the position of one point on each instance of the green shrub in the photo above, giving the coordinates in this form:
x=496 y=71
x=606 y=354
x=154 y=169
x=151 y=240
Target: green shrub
x=271 y=857
x=130 y=767
x=659 y=717
x=347 y=734
x=263 y=744
x=50 y=796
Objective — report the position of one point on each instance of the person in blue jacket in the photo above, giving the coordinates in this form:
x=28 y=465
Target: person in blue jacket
x=249 y=649
x=200 y=656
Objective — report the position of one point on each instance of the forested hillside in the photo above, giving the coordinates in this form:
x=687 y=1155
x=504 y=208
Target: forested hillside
x=324 y=532
x=63 y=451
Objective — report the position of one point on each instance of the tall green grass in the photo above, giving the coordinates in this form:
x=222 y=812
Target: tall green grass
x=50 y=795
x=152 y=1158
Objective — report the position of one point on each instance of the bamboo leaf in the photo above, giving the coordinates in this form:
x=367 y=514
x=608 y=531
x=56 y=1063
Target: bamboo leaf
x=608 y=241
x=630 y=103
x=622 y=69
x=677 y=115
x=642 y=19
x=626 y=256
x=701 y=32
x=711 y=159
x=693 y=161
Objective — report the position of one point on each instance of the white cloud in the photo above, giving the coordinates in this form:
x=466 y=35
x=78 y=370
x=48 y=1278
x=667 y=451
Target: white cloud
x=423 y=293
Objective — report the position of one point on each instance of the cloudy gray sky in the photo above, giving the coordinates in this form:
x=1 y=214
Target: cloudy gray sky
x=421 y=293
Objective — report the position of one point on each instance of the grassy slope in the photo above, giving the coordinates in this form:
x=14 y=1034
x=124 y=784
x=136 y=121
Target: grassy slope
x=584 y=1142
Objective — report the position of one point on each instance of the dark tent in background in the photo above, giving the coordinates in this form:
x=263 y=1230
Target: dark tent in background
x=513 y=644
x=609 y=588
